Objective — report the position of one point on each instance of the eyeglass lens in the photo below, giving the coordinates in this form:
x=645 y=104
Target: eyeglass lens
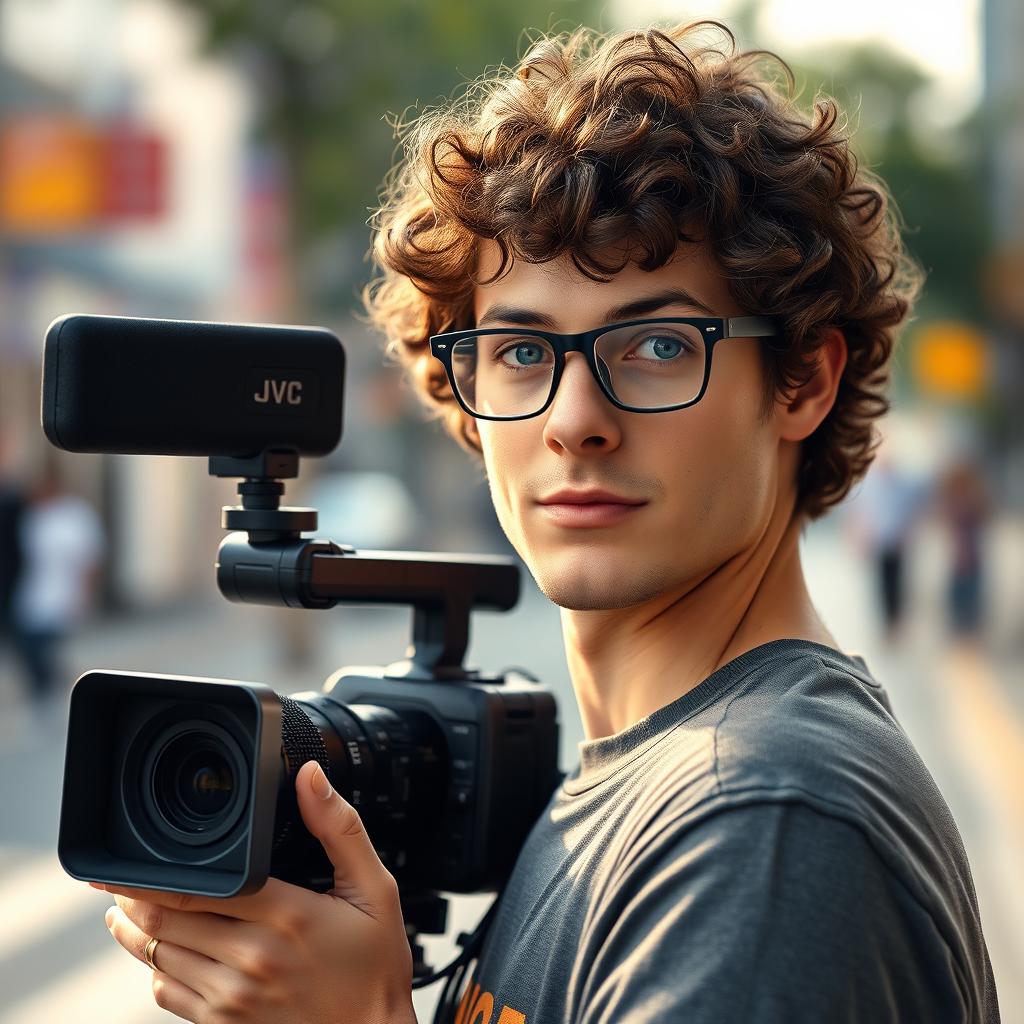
x=649 y=366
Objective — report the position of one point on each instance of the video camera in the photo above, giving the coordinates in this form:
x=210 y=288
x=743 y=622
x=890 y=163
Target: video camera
x=187 y=784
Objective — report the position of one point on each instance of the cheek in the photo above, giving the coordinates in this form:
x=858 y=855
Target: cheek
x=718 y=464
x=504 y=451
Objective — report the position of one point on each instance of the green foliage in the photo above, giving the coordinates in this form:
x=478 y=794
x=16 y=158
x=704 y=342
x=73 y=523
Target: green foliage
x=934 y=173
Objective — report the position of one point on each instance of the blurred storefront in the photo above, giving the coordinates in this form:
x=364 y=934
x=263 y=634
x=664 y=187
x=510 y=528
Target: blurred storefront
x=115 y=199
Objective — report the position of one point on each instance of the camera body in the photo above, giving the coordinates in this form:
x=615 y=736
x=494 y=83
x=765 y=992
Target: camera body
x=190 y=783
x=501 y=754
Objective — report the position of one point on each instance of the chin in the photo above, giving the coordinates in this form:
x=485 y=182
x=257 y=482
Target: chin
x=583 y=587
x=587 y=603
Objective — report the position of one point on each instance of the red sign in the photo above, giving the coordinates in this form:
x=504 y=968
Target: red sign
x=133 y=174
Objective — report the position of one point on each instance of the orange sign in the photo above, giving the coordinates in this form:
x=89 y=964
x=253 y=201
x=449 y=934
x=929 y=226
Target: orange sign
x=49 y=175
x=950 y=360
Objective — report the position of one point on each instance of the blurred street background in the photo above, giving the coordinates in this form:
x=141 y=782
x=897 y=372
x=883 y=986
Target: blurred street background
x=218 y=160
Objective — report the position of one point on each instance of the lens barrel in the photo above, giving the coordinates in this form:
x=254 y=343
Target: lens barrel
x=186 y=779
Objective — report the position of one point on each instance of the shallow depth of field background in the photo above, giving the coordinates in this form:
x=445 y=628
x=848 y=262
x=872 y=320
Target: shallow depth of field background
x=219 y=160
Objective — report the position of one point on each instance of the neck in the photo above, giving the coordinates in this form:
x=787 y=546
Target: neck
x=627 y=663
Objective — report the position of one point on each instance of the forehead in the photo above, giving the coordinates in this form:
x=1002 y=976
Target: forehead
x=558 y=289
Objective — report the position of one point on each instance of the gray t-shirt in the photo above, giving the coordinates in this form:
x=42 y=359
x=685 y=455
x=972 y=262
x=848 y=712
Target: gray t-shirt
x=769 y=847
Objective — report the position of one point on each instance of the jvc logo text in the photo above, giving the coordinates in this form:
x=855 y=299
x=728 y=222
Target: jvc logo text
x=279 y=391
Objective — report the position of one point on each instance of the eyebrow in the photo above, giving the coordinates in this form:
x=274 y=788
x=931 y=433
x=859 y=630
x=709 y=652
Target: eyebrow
x=522 y=317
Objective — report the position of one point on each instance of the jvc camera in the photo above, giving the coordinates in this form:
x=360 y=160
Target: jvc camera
x=187 y=784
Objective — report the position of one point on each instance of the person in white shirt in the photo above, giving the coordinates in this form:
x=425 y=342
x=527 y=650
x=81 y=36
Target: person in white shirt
x=62 y=545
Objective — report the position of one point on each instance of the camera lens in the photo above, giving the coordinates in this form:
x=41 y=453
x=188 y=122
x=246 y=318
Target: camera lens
x=185 y=781
x=193 y=782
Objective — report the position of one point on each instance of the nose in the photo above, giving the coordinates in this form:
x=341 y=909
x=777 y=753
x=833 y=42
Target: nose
x=580 y=417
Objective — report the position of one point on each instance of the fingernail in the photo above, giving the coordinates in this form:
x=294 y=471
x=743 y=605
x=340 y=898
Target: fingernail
x=319 y=782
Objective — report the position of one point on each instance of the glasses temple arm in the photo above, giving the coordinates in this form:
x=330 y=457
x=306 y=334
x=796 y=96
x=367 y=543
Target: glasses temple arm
x=751 y=327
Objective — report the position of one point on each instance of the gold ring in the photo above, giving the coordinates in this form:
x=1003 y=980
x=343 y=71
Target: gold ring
x=151 y=952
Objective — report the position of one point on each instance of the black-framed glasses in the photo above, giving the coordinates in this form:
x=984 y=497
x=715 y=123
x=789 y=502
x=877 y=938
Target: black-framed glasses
x=652 y=365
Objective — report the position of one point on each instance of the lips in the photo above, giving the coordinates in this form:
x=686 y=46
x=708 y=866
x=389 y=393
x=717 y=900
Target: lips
x=587 y=507
x=588 y=514
x=591 y=497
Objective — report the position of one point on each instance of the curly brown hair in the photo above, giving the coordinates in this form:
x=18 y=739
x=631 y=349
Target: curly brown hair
x=642 y=137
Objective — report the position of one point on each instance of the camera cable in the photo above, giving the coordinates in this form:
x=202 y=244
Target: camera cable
x=455 y=971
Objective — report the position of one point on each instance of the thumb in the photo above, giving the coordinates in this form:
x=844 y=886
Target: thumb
x=360 y=877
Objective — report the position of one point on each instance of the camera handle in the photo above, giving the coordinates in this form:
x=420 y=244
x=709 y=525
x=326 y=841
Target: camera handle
x=267 y=561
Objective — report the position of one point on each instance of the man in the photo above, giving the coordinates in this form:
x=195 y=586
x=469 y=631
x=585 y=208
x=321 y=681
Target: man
x=659 y=303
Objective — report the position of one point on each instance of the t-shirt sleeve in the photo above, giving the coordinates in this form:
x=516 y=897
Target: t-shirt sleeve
x=766 y=913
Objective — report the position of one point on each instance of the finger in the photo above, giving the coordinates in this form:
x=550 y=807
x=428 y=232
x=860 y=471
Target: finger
x=170 y=994
x=257 y=906
x=199 y=973
x=359 y=876
x=219 y=938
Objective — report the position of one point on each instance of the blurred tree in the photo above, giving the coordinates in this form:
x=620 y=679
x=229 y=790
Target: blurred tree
x=331 y=74
x=931 y=164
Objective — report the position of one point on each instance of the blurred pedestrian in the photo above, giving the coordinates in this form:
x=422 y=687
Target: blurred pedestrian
x=11 y=504
x=62 y=545
x=881 y=516
x=965 y=507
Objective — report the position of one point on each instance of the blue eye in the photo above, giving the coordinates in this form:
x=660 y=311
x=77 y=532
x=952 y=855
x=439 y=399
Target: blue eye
x=528 y=353
x=665 y=348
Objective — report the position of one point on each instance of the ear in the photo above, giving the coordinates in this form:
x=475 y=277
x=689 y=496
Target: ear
x=799 y=415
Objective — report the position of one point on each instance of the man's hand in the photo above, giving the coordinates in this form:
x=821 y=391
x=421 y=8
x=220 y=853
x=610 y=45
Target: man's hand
x=284 y=954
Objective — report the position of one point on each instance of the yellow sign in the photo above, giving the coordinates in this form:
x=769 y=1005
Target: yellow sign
x=949 y=359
